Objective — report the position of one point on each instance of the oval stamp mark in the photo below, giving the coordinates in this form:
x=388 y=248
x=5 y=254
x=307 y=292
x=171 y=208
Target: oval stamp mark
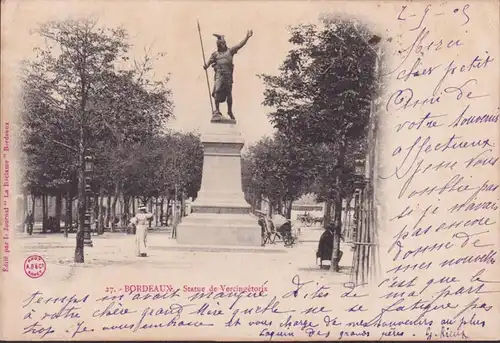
x=35 y=266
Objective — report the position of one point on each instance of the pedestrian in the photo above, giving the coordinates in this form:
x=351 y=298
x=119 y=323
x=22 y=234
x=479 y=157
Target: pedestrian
x=140 y=221
x=325 y=246
x=29 y=223
x=176 y=219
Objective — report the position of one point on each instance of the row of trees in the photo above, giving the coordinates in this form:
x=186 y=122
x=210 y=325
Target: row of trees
x=155 y=172
x=281 y=173
x=321 y=103
x=83 y=95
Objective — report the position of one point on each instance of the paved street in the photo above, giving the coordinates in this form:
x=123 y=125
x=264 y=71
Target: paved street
x=116 y=251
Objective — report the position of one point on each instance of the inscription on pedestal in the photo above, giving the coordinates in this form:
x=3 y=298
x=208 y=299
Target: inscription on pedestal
x=221 y=210
x=222 y=120
x=222 y=148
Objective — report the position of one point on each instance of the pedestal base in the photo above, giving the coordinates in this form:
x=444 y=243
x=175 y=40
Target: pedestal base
x=220 y=213
x=222 y=120
x=219 y=229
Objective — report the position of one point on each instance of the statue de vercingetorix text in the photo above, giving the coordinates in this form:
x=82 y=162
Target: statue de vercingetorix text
x=222 y=62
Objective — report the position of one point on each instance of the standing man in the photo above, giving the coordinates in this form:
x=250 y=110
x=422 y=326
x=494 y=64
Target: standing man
x=29 y=223
x=222 y=62
x=176 y=218
x=141 y=220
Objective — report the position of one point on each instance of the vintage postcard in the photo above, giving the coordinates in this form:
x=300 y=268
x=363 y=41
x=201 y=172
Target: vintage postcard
x=250 y=170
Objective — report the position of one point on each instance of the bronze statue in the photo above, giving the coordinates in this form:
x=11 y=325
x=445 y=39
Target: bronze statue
x=222 y=62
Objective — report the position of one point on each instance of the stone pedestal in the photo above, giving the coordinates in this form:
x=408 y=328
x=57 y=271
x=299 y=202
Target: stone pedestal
x=220 y=214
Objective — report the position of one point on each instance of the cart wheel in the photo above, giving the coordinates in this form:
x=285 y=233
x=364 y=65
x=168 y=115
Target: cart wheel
x=309 y=223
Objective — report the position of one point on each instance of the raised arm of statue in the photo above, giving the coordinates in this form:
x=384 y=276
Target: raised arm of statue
x=241 y=44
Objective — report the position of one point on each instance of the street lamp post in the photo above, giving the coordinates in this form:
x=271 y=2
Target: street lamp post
x=359 y=171
x=89 y=167
x=175 y=218
x=66 y=228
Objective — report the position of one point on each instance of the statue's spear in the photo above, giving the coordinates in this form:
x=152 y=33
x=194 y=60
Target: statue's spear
x=204 y=63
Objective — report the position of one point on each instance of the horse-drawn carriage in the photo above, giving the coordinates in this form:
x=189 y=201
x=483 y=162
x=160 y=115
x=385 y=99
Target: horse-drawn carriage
x=309 y=220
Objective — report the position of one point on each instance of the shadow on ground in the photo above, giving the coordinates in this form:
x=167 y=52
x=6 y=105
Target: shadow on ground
x=92 y=263
x=346 y=270
x=219 y=249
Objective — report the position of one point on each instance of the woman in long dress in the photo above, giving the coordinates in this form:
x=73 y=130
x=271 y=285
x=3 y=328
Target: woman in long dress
x=141 y=222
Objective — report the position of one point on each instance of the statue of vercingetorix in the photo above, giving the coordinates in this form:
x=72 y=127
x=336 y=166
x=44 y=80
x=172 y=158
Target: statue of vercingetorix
x=222 y=62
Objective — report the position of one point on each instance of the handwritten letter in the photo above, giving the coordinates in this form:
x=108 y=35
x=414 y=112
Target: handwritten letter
x=440 y=175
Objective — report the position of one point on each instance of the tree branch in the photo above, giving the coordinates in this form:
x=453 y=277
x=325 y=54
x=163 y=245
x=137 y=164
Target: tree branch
x=64 y=145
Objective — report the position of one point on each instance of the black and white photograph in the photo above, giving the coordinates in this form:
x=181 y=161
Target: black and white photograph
x=249 y=170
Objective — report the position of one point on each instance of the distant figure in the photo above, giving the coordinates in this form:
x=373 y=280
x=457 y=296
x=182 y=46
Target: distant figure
x=188 y=207
x=52 y=224
x=169 y=216
x=141 y=223
x=176 y=219
x=29 y=223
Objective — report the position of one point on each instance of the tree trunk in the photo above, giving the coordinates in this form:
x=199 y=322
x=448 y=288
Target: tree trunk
x=25 y=211
x=337 y=219
x=77 y=214
x=348 y=217
x=289 y=209
x=150 y=204
x=126 y=210
x=167 y=217
x=121 y=208
x=279 y=205
x=183 y=205
x=100 y=227
x=327 y=218
x=44 y=213
x=108 y=211
x=133 y=206
x=95 y=210
x=162 y=201
x=33 y=203
x=116 y=195
x=156 y=211
x=150 y=209
x=58 y=212
x=336 y=255
x=175 y=213
x=68 y=223
x=79 y=254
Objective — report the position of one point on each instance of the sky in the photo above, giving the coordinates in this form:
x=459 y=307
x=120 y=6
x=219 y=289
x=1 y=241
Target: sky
x=170 y=27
